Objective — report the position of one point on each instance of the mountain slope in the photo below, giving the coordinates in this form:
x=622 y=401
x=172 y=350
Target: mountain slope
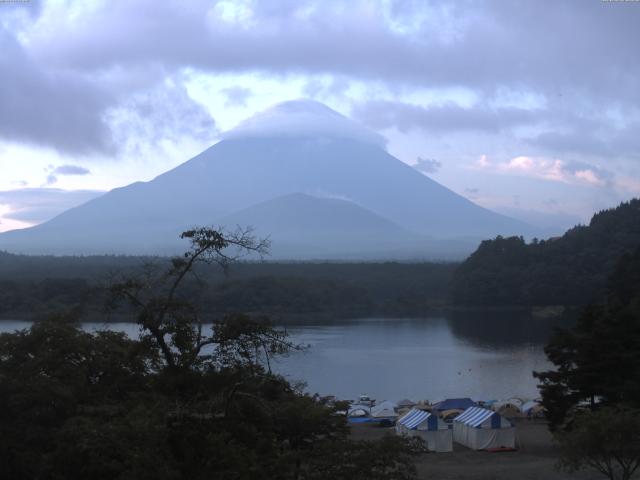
x=272 y=155
x=568 y=270
x=300 y=225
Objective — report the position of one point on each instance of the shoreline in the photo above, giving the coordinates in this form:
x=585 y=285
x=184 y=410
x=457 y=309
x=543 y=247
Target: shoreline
x=547 y=312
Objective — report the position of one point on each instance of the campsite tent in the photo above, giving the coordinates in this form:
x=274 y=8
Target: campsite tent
x=449 y=415
x=507 y=409
x=386 y=409
x=479 y=429
x=406 y=403
x=359 y=414
x=454 y=404
x=533 y=409
x=433 y=430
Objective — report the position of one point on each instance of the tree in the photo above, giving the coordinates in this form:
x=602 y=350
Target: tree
x=179 y=402
x=597 y=361
x=607 y=440
x=168 y=319
x=567 y=270
x=55 y=375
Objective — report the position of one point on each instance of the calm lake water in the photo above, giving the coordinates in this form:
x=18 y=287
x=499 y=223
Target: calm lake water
x=486 y=355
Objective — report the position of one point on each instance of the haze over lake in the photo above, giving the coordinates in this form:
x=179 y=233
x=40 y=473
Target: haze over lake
x=483 y=355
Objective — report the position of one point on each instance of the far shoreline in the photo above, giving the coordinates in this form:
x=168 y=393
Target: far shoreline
x=548 y=312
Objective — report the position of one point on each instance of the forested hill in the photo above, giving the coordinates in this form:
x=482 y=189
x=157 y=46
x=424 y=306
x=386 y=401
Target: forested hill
x=32 y=287
x=569 y=270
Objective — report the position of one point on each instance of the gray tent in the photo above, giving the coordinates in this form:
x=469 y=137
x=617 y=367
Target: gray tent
x=386 y=409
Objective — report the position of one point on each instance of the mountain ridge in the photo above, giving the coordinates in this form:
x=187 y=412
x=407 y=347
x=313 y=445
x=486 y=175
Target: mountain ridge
x=243 y=171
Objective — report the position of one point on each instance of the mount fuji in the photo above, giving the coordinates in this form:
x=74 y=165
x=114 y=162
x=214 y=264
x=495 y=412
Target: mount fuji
x=319 y=184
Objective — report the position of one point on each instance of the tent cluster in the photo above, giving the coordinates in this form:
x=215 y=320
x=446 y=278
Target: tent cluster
x=516 y=408
x=479 y=426
x=384 y=413
x=474 y=426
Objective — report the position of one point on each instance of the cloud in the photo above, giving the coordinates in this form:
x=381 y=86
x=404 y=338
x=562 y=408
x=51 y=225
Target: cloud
x=54 y=172
x=336 y=87
x=300 y=118
x=58 y=109
x=602 y=140
x=236 y=96
x=71 y=170
x=31 y=206
x=165 y=113
x=549 y=169
x=76 y=86
x=628 y=184
x=477 y=44
x=443 y=118
x=80 y=112
x=427 y=165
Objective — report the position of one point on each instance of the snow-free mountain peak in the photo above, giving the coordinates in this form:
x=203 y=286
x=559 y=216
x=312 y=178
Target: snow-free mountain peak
x=303 y=118
x=357 y=198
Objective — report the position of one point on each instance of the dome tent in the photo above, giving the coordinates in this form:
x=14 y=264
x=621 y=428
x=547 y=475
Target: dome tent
x=436 y=434
x=507 y=409
x=481 y=429
x=359 y=414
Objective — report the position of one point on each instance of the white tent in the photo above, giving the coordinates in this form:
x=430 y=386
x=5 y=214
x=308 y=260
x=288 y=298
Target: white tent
x=433 y=430
x=386 y=409
x=358 y=414
x=479 y=429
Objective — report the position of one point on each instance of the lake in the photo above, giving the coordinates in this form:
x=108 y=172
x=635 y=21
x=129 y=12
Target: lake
x=483 y=355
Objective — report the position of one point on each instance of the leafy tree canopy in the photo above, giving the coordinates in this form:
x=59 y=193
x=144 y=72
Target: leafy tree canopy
x=607 y=441
x=598 y=361
x=183 y=401
x=568 y=270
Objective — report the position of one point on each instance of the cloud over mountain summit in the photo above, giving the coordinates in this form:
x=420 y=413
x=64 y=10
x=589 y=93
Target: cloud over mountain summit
x=303 y=117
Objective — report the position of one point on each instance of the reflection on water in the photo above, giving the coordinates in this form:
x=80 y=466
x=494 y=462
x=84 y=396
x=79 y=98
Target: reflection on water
x=484 y=355
x=501 y=328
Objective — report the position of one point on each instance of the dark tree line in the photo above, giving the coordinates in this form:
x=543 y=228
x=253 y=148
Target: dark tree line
x=181 y=402
x=598 y=361
x=569 y=270
x=592 y=396
x=32 y=287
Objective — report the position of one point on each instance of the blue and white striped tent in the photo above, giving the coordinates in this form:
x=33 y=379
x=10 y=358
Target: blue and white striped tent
x=479 y=429
x=432 y=429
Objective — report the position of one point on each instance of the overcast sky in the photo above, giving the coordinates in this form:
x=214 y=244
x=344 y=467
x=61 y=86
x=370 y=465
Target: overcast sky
x=519 y=106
